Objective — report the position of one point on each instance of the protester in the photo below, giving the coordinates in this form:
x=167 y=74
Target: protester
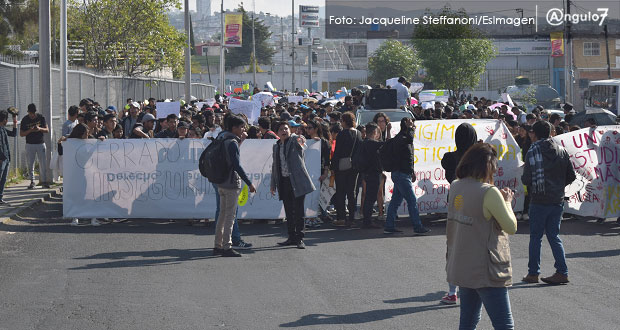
x=5 y=152
x=264 y=124
x=480 y=219
x=403 y=177
x=33 y=126
x=347 y=143
x=371 y=171
x=130 y=121
x=171 y=131
x=290 y=178
x=230 y=189
x=109 y=124
x=547 y=171
x=143 y=130
x=402 y=93
x=68 y=125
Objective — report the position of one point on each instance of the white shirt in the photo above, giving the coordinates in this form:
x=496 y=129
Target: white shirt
x=212 y=133
x=402 y=94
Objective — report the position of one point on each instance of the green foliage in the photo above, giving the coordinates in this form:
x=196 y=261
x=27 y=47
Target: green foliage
x=392 y=59
x=127 y=36
x=18 y=23
x=239 y=56
x=455 y=56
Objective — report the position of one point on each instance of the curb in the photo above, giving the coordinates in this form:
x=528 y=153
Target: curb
x=12 y=215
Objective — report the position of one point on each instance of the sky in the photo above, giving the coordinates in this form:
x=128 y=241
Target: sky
x=274 y=7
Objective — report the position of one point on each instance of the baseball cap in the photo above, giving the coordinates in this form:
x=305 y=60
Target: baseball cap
x=293 y=123
x=111 y=108
x=135 y=104
x=147 y=117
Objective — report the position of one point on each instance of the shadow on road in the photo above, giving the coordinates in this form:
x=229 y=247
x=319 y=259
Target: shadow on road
x=361 y=317
x=594 y=254
x=434 y=296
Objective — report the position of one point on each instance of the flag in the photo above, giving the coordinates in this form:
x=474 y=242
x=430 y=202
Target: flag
x=557 y=44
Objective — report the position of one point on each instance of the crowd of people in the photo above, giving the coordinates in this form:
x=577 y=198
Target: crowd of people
x=354 y=159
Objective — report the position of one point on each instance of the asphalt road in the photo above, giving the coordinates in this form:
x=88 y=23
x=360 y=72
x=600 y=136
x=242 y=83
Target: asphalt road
x=161 y=275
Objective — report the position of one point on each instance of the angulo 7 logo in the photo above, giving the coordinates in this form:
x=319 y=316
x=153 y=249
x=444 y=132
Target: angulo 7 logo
x=556 y=16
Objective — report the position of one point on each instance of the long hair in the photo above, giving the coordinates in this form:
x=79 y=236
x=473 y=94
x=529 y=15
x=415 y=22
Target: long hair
x=479 y=162
x=78 y=131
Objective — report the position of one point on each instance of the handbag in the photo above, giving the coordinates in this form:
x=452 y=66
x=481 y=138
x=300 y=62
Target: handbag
x=346 y=163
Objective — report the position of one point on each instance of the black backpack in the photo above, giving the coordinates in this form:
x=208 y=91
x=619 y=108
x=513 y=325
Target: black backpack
x=213 y=162
x=387 y=155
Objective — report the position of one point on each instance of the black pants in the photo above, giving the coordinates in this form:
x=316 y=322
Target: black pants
x=372 y=189
x=294 y=209
x=345 y=189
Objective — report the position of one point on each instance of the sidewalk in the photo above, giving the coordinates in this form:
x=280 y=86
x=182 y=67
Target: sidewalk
x=20 y=198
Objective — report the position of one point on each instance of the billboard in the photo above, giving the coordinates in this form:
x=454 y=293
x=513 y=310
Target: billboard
x=233 y=27
x=309 y=16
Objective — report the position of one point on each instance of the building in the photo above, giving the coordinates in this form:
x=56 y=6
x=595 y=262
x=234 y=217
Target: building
x=203 y=9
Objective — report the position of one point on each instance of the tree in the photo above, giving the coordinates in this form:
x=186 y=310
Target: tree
x=191 y=37
x=392 y=59
x=454 y=55
x=127 y=36
x=239 y=56
x=18 y=23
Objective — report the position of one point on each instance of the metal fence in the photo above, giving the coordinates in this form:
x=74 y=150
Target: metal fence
x=19 y=86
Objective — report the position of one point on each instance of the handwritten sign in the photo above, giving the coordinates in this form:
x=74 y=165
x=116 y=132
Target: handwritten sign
x=166 y=108
x=595 y=154
x=265 y=98
x=433 y=138
x=250 y=109
x=159 y=178
x=295 y=99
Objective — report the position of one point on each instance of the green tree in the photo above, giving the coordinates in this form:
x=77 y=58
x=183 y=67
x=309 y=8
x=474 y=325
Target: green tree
x=392 y=59
x=129 y=37
x=239 y=56
x=454 y=55
x=18 y=23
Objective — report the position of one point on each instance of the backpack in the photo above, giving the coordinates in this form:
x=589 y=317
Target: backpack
x=358 y=161
x=213 y=162
x=387 y=156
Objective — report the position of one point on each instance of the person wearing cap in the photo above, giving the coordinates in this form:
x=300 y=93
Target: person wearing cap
x=285 y=115
x=182 y=129
x=130 y=121
x=171 y=131
x=143 y=130
x=5 y=152
x=33 y=126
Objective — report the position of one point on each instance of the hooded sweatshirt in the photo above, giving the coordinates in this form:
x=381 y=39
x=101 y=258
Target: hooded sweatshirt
x=237 y=174
x=465 y=137
x=558 y=172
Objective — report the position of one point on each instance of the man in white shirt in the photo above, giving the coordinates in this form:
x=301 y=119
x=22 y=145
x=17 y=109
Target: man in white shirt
x=402 y=93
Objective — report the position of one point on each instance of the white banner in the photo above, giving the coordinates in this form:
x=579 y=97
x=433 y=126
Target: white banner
x=295 y=99
x=250 y=109
x=159 y=178
x=166 y=108
x=595 y=154
x=265 y=98
x=433 y=138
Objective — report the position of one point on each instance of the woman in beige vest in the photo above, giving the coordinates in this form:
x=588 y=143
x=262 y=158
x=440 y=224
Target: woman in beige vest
x=480 y=218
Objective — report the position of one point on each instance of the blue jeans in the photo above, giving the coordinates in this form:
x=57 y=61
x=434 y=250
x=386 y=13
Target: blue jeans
x=546 y=219
x=236 y=234
x=4 y=171
x=403 y=189
x=496 y=302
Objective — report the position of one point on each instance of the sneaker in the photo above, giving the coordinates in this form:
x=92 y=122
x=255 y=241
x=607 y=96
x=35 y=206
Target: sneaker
x=95 y=222
x=241 y=245
x=519 y=216
x=32 y=185
x=529 y=278
x=422 y=231
x=449 y=299
x=525 y=217
x=391 y=231
x=301 y=245
x=4 y=203
x=230 y=253
x=75 y=222
x=555 y=279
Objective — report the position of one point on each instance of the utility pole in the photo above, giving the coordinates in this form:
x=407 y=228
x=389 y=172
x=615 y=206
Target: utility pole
x=310 y=60
x=63 y=58
x=282 y=50
x=254 y=43
x=188 y=57
x=569 y=59
x=222 y=58
x=45 y=83
x=607 y=53
x=293 y=43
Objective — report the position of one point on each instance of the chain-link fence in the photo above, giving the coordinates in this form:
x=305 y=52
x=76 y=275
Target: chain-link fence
x=19 y=86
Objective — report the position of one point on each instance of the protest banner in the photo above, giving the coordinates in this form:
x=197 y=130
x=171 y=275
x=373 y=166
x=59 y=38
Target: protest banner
x=250 y=109
x=326 y=193
x=506 y=98
x=433 y=138
x=159 y=178
x=265 y=98
x=233 y=23
x=166 y=108
x=391 y=82
x=595 y=154
x=270 y=86
x=295 y=99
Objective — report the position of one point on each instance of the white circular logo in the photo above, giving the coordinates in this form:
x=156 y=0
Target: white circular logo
x=555 y=16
